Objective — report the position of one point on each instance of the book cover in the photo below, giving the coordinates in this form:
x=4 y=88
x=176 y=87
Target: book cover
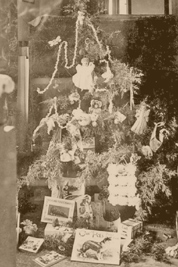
x=49 y=259
x=96 y=247
x=32 y=244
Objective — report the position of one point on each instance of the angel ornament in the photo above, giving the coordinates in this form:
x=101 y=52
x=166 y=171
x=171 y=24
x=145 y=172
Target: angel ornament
x=155 y=143
x=84 y=78
x=107 y=75
x=142 y=115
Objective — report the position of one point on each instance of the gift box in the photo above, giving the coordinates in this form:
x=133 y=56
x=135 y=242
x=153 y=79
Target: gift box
x=50 y=230
x=89 y=145
x=130 y=228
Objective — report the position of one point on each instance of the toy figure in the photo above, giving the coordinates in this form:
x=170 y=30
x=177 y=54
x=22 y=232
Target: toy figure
x=142 y=115
x=107 y=75
x=84 y=79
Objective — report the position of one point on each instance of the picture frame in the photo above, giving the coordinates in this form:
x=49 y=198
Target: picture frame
x=72 y=186
x=96 y=247
x=57 y=208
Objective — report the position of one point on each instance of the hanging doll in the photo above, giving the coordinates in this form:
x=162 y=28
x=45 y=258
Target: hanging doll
x=95 y=110
x=142 y=118
x=107 y=75
x=84 y=78
x=155 y=143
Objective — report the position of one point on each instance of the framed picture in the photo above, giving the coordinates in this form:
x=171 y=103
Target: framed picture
x=96 y=247
x=61 y=209
x=32 y=244
x=72 y=186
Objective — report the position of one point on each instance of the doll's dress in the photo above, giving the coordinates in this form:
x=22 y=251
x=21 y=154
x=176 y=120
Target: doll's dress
x=142 y=116
x=83 y=79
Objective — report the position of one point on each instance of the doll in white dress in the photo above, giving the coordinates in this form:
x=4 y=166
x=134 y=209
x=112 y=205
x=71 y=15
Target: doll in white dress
x=84 y=78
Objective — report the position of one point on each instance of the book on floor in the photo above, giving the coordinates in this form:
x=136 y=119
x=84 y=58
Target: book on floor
x=49 y=259
x=32 y=244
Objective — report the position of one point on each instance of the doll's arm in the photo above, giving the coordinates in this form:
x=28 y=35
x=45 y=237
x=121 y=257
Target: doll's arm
x=91 y=66
x=78 y=67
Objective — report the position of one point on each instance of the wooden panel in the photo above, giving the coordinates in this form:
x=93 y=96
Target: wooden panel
x=7 y=197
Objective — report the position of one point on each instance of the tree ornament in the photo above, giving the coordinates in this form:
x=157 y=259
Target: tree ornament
x=110 y=108
x=84 y=78
x=142 y=115
x=94 y=123
x=7 y=85
x=81 y=17
x=108 y=75
x=74 y=97
x=66 y=155
x=55 y=41
x=156 y=143
x=119 y=117
x=116 y=121
x=147 y=152
x=83 y=118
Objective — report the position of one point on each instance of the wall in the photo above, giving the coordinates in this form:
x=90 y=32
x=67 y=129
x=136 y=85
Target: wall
x=147 y=7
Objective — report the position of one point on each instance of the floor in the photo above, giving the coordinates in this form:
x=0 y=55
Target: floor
x=26 y=260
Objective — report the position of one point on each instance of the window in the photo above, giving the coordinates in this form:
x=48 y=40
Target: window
x=139 y=7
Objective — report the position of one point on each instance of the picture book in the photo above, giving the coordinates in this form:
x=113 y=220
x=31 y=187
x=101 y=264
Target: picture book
x=32 y=244
x=49 y=259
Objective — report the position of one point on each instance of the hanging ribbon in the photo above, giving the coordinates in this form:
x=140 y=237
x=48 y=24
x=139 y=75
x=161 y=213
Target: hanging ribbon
x=131 y=91
x=110 y=105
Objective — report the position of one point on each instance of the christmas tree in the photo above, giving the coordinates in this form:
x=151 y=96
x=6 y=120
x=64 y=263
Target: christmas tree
x=101 y=111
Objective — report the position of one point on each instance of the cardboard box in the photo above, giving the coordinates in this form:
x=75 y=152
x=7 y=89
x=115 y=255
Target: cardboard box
x=130 y=228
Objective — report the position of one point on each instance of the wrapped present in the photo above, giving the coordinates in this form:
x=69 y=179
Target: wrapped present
x=88 y=144
x=130 y=228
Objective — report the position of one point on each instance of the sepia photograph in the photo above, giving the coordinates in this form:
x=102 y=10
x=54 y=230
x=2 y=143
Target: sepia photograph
x=89 y=132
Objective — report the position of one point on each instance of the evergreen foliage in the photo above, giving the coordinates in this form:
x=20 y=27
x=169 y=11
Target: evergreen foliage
x=115 y=142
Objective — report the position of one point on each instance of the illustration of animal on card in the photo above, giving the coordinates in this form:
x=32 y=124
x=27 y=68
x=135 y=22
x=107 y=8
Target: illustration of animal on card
x=96 y=247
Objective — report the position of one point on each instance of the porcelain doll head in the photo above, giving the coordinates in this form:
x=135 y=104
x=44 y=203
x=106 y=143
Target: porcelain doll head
x=85 y=61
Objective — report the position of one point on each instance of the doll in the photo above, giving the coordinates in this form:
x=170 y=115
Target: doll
x=84 y=78
x=142 y=115
x=107 y=75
